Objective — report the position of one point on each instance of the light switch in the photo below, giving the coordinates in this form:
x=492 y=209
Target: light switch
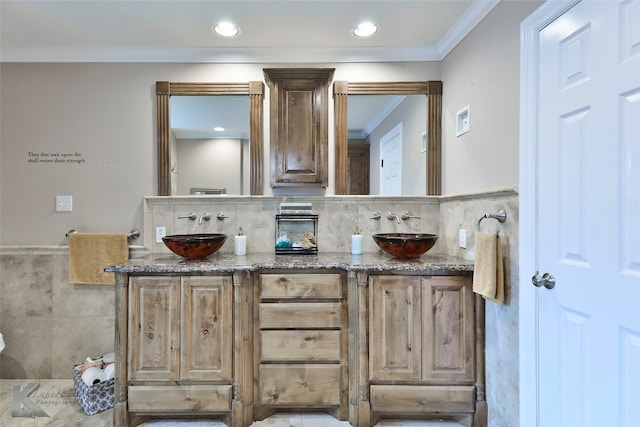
x=64 y=203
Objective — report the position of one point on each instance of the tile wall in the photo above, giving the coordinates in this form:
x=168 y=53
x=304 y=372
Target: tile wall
x=339 y=217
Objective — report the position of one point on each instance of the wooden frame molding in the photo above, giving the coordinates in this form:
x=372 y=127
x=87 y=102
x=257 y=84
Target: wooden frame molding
x=253 y=89
x=431 y=89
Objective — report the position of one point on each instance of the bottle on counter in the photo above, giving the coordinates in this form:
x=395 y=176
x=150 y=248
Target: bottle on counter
x=356 y=243
x=240 y=247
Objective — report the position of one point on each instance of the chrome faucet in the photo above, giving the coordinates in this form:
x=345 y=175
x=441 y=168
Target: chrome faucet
x=204 y=217
x=405 y=216
x=375 y=215
x=391 y=216
x=221 y=216
x=191 y=216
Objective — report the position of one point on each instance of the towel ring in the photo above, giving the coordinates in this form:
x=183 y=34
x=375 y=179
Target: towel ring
x=500 y=216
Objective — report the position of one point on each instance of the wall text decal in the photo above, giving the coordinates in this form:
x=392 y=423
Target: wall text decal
x=55 y=158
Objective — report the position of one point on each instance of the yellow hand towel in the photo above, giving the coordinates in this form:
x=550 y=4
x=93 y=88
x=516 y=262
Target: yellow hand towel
x=488 y=274
x=91 y=253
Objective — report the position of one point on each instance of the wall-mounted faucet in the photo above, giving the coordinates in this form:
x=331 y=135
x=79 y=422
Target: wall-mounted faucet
x=204 y=217
x=191 y=216
x=405 y=216
x=391 y=216
x=221 y=216
x=376 y=216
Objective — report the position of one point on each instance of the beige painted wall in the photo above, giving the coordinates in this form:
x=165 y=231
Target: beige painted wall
x=483 y=72
x=106 y=114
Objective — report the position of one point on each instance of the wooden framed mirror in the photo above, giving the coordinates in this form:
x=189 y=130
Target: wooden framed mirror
x=254 y=90
x=432 y=90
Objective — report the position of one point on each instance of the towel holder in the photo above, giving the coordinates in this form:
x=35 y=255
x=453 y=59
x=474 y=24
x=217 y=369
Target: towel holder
x=133 y=234
x=500 y=216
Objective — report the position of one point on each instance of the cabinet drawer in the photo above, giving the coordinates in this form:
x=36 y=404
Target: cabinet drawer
x=188 y=398
x=296 y=346
x=404 y=399
x=300 y=286
x=300 y=315
x=300 y=385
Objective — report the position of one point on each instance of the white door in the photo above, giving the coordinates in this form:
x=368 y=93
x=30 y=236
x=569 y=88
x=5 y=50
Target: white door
x=587 y=219
x=391 y=162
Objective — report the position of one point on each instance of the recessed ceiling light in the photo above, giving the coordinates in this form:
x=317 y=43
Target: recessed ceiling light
x=365 y=29
x=218 y=129
x=226 y=29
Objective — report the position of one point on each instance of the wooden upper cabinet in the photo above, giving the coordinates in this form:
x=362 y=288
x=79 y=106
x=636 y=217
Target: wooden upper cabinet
x=299 y=125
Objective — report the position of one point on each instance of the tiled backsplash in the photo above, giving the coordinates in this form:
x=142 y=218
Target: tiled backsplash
x=338 y=219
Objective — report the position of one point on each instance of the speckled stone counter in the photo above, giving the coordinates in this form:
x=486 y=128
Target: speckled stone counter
x=226 y=263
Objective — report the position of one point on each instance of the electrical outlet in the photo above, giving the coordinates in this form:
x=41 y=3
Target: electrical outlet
x=64 y=203
x=160 y=233
x=462 y=238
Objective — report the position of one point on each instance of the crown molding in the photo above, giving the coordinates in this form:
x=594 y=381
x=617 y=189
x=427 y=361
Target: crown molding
x=467 y=22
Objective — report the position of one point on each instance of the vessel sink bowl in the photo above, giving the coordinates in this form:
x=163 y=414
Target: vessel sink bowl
x=405 y=245
x=194 y=246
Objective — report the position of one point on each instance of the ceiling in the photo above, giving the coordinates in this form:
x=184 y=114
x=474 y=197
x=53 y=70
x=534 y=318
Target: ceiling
x=286 y=31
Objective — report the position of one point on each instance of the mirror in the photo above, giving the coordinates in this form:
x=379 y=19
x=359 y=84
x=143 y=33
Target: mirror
x=431 y=94
x=210 y=144
x=381 y=129
x=236 y=143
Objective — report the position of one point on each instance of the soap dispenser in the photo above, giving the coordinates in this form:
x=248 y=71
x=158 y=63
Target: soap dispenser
x=240 y=247
x=356 y=243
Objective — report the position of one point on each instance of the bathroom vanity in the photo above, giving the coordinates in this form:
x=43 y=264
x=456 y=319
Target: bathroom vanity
x=360 y=337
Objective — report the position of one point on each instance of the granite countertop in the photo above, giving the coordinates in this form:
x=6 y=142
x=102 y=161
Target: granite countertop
x=225 y=263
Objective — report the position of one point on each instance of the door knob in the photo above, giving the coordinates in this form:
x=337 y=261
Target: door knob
x=547 y=280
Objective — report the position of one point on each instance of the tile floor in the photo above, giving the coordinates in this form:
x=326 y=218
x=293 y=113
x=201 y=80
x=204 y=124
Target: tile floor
x=56 y=406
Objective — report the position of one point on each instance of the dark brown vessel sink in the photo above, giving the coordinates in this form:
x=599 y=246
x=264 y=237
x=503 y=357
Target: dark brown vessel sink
x=194 y=246
x=405 y=245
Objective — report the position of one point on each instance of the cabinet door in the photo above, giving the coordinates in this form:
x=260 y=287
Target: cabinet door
x=449 y=333
x=395 y=328
x=299 y=126
x=154 y=328
x=207 y=328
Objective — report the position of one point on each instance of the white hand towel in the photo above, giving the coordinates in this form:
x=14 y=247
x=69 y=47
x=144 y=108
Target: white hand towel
x=488 y=273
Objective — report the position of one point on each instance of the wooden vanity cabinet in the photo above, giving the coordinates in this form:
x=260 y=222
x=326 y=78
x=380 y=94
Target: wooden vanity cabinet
x=299 y=125
x=301 y=343
x=180 y=345
x=422 y=348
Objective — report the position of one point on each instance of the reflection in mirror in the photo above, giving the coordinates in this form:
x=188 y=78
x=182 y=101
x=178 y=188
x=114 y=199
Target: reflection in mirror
x=431 y=94
x=196 y=128
x=210 y=139
x=389 y=128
